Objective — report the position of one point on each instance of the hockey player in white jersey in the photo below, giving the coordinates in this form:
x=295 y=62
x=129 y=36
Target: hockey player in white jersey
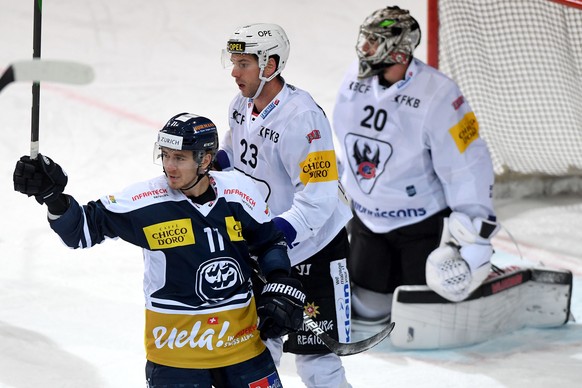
x=417 y=173
x=280 y=137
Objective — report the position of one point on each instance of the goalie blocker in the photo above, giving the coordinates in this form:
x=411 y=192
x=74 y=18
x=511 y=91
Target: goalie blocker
x=520 y=297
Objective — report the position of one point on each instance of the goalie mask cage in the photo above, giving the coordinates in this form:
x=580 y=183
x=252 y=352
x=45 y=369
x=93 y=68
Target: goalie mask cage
x=519 y=64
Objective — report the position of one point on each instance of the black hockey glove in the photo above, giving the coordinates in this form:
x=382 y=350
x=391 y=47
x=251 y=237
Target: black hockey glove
x=40 y=177
x=280 y=307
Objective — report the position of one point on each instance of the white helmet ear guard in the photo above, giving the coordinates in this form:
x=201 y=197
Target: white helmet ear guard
x=264 y=40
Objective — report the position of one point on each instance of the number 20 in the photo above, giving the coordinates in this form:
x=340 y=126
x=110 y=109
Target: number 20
x=376 y=117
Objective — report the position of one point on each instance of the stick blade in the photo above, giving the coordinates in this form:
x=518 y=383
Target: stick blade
x=59 y=71
x=363 y=345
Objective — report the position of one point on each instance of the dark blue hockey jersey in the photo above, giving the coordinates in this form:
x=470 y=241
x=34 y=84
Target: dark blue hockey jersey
x=200 y=310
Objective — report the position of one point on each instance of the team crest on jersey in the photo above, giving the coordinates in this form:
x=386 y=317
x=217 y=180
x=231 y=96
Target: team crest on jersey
x=368 y=158
x=217 y=275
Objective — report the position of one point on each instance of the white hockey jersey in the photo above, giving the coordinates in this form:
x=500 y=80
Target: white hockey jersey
x=410 y=150
x=288 y=150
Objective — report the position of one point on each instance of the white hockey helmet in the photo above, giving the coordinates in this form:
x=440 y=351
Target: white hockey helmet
x=263 y=40
x=393 y=33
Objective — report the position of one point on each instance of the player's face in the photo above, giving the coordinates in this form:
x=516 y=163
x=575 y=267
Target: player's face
x=369 y=46
x=245 y=71
x=180 y=168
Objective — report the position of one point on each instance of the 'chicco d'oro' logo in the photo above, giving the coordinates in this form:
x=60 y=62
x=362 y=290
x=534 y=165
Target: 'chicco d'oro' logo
x=170 y=234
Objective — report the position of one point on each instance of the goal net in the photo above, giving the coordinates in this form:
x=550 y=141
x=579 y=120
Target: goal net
x=519 y=64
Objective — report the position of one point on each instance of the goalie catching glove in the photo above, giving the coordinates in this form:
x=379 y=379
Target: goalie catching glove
x=280 y=307
x=462 y=261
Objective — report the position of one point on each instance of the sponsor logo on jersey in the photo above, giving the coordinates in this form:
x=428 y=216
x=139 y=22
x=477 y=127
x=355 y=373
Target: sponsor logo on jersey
x=270 y=381
x=368 y=159
x=158 y=193
x=465 y=131
x=234 y=229
x=202 y=340
x=238 y=117
x=411 y=190
x=392 y=213
x=269 y=134
x=412 y=102
x=269 y=108
x=309 y=338
x=318 y=167
x=313 y=135
x=247 y=199
x=170 y=234
x=359 y=87
x=216 y=276
x=111 y=199
x=458 y=102
x=177 y=337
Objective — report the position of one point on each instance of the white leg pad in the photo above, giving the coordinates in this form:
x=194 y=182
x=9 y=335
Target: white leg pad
x=519 y=298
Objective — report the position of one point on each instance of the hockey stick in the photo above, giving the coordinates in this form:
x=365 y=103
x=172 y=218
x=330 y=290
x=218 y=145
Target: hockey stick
x=37 y=70
x=346 y=349
x=340 y=348
x=35 y=112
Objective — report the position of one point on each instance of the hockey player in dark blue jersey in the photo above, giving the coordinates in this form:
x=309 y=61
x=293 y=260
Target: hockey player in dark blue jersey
x=203 y=233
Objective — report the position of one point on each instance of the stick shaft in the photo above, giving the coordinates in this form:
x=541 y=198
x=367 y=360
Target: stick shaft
x=35 y=111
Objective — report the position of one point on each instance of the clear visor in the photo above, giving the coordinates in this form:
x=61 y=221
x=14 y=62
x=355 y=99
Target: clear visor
x=238 y=61
x=225 y=59
x=157 y=154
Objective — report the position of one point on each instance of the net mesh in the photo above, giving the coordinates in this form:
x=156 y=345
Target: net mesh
x=519 y=64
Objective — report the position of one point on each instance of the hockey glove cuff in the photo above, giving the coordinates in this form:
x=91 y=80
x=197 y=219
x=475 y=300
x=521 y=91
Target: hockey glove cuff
x=280 y=307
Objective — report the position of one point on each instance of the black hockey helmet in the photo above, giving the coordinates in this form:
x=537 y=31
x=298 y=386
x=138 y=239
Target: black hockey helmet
x=187 y=131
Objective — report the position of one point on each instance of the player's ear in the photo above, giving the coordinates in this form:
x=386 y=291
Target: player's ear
x=271 y=67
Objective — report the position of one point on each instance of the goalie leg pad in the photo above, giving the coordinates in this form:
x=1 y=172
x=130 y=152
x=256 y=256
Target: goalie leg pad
x=370 y=305
x=519 y=298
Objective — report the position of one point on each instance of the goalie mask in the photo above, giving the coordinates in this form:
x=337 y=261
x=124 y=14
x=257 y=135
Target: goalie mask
x=388 y=36
x=187 y=131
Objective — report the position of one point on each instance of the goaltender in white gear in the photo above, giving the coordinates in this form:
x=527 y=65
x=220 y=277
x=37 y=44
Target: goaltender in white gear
x=412 y=159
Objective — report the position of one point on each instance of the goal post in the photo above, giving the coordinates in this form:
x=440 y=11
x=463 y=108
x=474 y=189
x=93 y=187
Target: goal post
x=519 y=64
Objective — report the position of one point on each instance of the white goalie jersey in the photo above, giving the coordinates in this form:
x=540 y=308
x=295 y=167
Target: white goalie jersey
x=410 y=150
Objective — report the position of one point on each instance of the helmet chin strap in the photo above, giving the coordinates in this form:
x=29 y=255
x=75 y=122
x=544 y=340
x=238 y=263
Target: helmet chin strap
x=183 y=189
x=264 y=80
x=196 y=181
x=259 y=89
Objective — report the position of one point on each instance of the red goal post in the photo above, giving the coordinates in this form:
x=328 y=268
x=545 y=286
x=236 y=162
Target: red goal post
x=519 y=63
